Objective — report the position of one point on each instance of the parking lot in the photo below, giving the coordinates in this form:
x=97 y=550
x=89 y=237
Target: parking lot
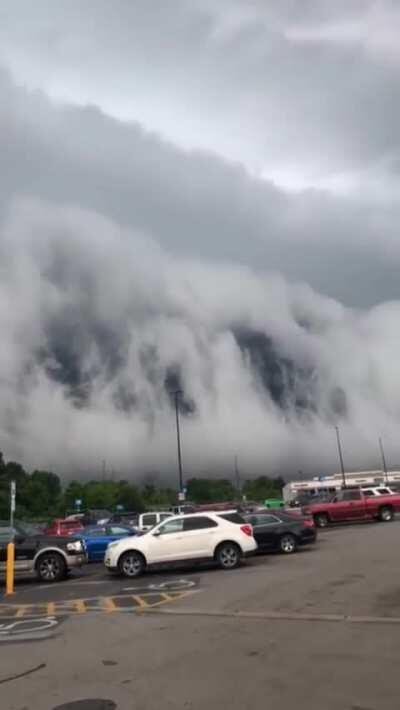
x=317 y=629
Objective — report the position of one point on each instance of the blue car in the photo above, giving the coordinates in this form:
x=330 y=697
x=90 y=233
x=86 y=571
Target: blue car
x=97 y=537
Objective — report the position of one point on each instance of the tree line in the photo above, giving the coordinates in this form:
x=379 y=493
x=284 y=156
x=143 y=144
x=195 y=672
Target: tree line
x=41 y=495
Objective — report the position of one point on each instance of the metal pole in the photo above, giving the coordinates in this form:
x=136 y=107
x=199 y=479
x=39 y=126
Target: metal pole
x=12 y=507
x=11 y=546
x=178 y=440
x=340 y=455
x=383 y=460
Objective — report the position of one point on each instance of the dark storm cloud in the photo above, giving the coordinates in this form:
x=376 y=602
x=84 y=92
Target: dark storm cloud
x=263 y=82
x=192 y=203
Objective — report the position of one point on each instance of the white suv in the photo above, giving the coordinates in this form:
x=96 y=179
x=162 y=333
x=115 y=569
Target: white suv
x=223 y=537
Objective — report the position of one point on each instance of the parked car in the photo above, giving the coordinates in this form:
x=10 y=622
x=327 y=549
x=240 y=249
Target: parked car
x=353 y=504
x=48 y=557
x=91 y=517
x=97 y=538
x=63 y=527
x=281 y=531
x=274 y=503
x=194 y=537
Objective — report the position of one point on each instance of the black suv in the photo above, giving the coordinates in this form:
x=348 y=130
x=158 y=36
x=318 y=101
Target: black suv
x=48 y=557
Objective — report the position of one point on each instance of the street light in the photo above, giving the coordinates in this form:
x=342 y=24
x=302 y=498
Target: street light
x=383 y=460
x=177 y=394
x=340 y=455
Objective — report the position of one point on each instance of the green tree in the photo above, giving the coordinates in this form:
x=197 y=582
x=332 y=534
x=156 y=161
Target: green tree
x=74 y=491
x=206 y=490
x=262 y=487
x=129 y=496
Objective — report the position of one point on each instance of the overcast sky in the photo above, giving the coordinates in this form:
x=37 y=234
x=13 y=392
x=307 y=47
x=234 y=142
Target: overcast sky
x=208 y=189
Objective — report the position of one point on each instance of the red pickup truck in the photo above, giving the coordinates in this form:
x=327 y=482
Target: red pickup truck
x=354 y=505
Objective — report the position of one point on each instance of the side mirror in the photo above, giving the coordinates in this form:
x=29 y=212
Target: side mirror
x=156 y=533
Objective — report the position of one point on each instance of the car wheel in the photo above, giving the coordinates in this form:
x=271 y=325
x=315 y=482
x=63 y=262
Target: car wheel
x=321 y=520
x=51 y=567
x=228 y=555
x=288 y=544
x=131 y=564
x=386 y=514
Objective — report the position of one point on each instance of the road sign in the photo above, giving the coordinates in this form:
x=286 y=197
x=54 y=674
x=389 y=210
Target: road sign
x=181 y=496
x=78 y=503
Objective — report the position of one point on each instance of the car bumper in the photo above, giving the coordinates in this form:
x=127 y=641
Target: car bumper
x=310 y=537
x=76 y=560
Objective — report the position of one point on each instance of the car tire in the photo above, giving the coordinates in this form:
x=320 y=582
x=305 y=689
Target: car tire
x=321 y=520
x=386 y=514
x=288 y=544
x=228 y=555
x=131 y=564
x=51 y=567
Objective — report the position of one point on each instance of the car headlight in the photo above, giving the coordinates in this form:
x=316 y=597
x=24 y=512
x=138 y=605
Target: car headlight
x=113 y=544
x=75 y=546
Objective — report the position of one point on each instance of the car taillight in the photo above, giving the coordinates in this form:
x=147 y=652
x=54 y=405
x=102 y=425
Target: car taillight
x=247 y=530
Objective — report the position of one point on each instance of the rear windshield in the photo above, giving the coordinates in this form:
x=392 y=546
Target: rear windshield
x=232 y=517
x=70 y=524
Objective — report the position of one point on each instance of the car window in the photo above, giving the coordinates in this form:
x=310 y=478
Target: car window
x=368 y=492
x=232 y=517
x=171 y=526
x=264 y=520
x=201 y=523
x=96 y=533
x=383 y=491
x=149 y=519
x=164 y=516
x=351 y=495
x=70 y=524
x=348 y=495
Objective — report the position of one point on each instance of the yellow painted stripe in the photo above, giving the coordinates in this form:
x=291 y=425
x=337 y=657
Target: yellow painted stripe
x=80 y=606
x=51 y=608
x=140 y=601
x=108 y=604
x=22 y=610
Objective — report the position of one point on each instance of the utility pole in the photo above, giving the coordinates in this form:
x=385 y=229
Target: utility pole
x=340 y=455
x=383 y=460
x=177 y=394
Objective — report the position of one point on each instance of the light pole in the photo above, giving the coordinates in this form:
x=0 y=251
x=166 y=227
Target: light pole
x=383 y=460
x=177 y=394
x=340 y=455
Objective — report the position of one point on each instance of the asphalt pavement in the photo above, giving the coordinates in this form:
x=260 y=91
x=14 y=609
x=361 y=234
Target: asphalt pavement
x=318 y=629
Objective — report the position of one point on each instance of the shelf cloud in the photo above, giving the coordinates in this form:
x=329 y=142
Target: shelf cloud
x=247 y=260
